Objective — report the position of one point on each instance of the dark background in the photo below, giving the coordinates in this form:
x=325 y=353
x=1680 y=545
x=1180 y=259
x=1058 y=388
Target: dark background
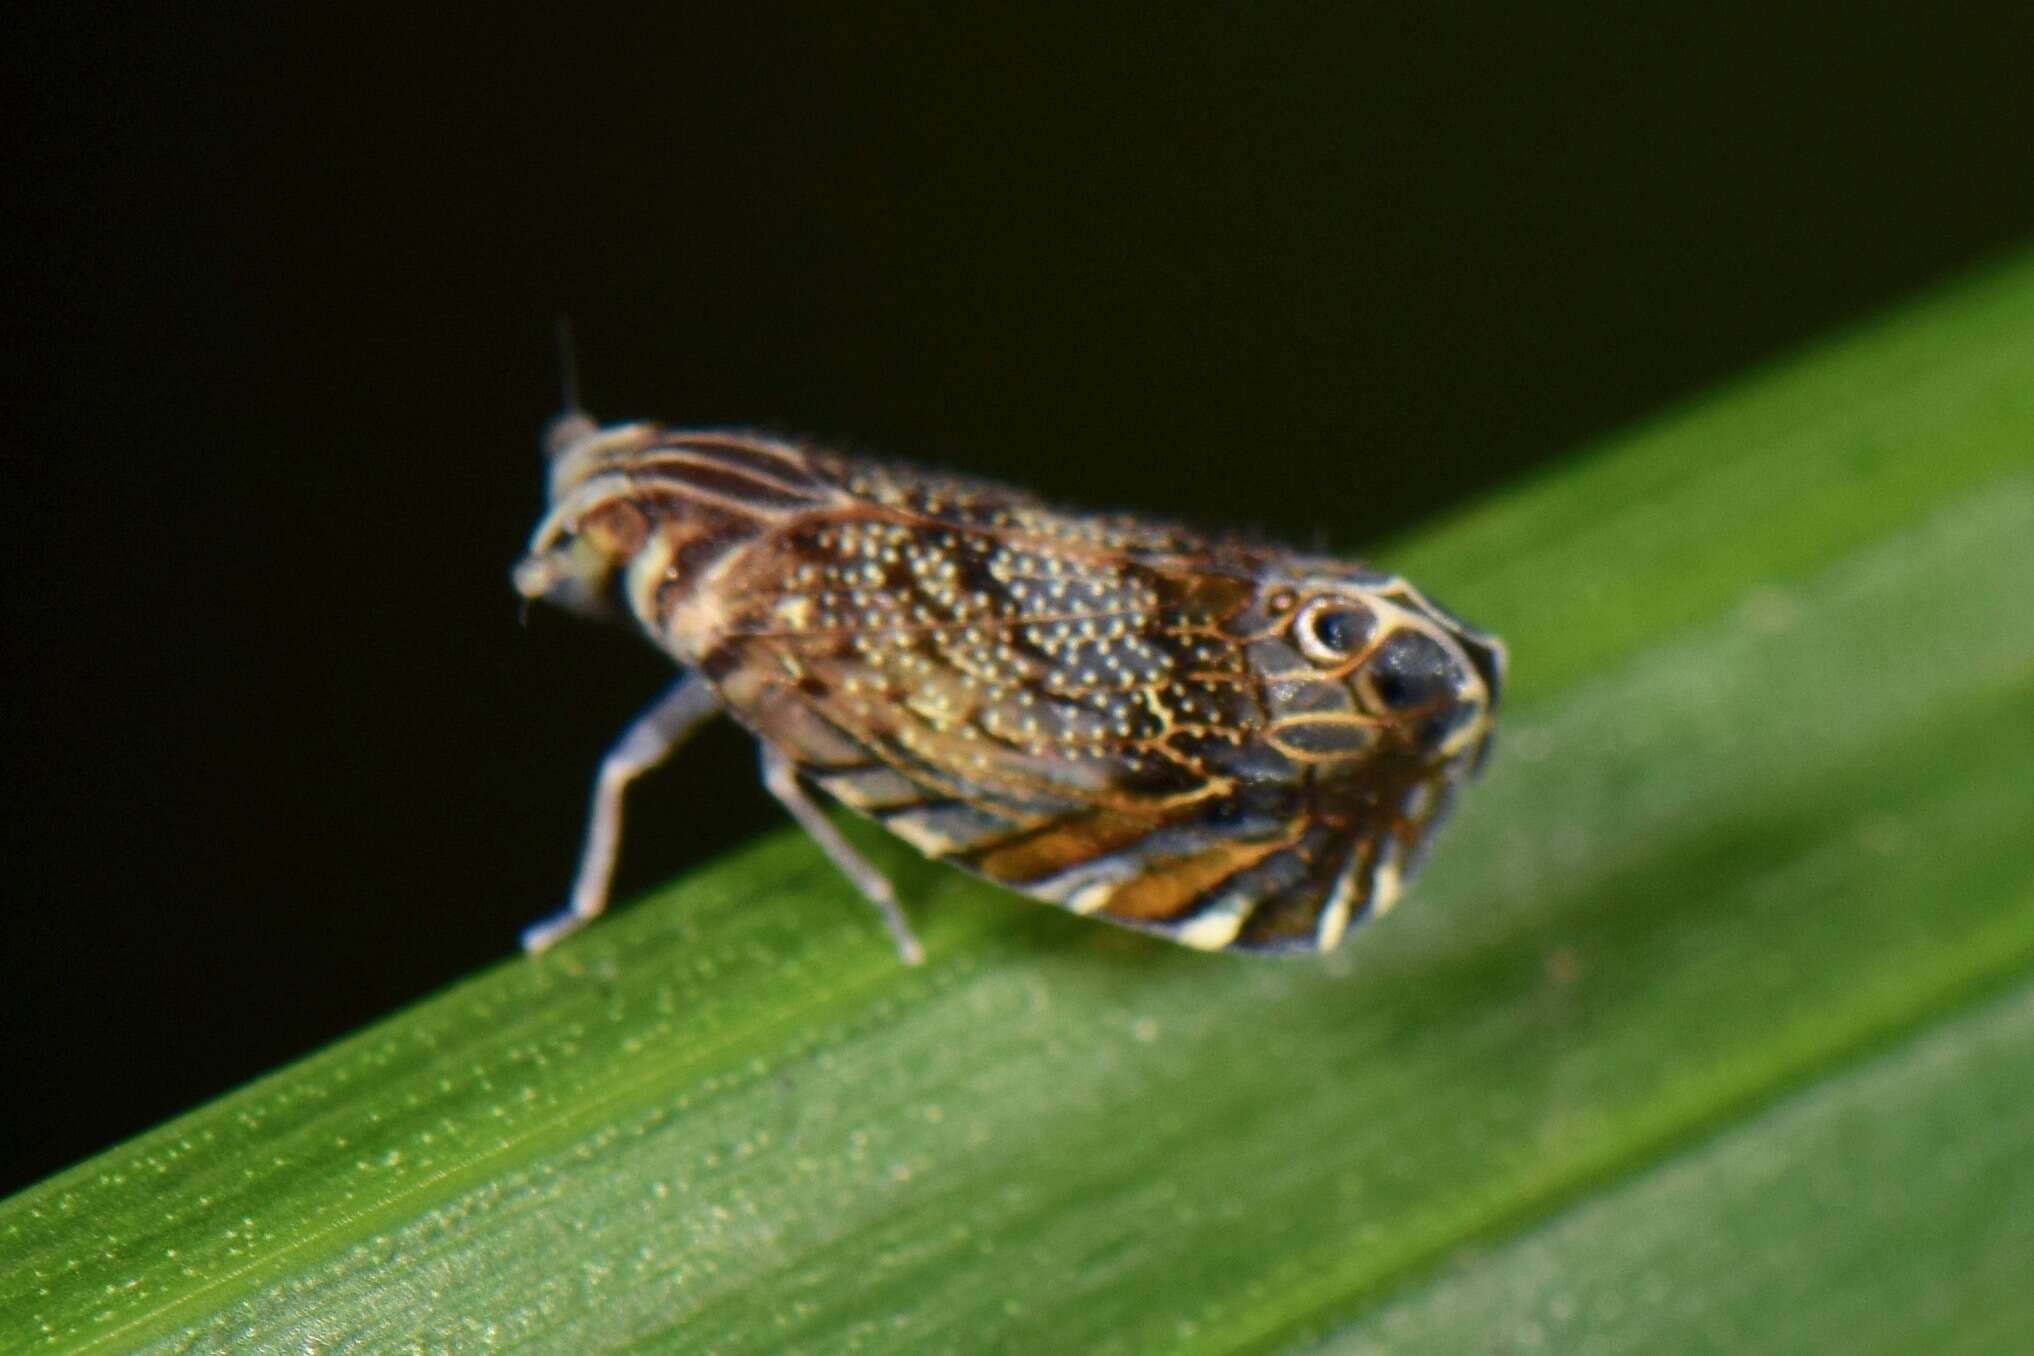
x=281 y=758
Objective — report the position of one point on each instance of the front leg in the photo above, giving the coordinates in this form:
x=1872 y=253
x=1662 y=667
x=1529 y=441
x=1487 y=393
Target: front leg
x=654 y=736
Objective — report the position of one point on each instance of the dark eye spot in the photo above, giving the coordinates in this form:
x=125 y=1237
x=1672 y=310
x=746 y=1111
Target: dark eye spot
x=1336 y=630
x=1410 y=670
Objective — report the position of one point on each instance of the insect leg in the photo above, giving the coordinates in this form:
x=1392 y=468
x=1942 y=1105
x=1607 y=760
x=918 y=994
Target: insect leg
x=652 y=738
x=782 y=779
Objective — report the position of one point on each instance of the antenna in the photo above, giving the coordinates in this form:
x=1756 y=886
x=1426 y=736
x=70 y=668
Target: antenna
x=568 y=364
x=572 y=424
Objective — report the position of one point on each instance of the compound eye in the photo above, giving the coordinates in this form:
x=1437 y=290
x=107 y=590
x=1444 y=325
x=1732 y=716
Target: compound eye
x=1410 y=670
x=1329 y=630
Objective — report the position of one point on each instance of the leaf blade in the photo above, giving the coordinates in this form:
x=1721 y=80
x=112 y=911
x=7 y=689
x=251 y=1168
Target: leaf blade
x=1771 y=693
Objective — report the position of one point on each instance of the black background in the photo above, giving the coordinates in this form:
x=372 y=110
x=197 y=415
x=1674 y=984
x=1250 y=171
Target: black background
x=281 y=758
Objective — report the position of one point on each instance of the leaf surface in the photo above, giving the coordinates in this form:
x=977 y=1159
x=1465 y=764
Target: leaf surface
x=1699 y=1032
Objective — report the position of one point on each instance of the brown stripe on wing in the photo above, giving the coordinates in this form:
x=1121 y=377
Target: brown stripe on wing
x=706 y=474
x=1172 y=892
x=1062 y=845
x=760 y=456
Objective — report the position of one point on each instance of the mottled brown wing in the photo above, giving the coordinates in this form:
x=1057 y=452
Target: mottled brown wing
x=1052 y=704
x=1222 y=742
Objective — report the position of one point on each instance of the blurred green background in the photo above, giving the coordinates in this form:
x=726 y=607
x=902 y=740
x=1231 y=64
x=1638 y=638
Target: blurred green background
x=284 y=758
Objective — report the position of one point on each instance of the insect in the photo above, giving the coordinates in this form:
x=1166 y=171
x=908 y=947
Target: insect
x=1212 y=739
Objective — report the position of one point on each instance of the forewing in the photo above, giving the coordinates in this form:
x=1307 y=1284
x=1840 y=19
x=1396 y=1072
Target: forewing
x=1051 y=714
x=1065 y=706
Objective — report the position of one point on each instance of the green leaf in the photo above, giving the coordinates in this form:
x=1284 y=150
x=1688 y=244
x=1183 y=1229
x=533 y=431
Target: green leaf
x=1708 y=1027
